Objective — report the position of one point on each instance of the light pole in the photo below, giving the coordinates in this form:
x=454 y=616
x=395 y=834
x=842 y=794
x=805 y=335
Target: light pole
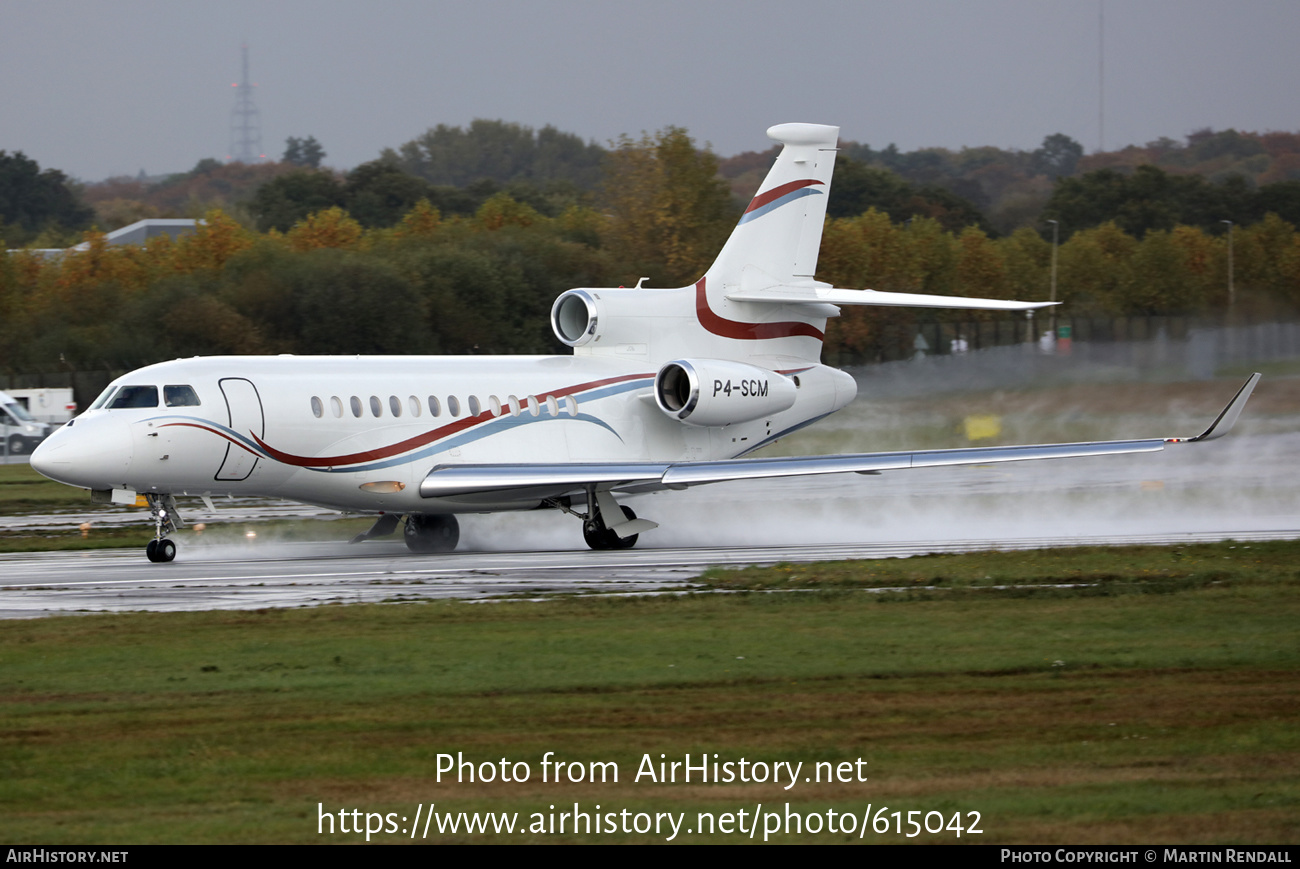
x=1231 y=290
x=1056 y=235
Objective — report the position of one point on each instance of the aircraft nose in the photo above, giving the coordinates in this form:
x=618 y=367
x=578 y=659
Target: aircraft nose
x=93 y=453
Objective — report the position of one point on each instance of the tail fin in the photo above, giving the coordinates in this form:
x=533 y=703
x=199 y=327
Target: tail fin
x=777 y=239
x=771 y=256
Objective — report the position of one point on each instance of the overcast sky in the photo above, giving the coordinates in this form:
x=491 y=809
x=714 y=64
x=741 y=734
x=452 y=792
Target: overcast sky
x=109 y=87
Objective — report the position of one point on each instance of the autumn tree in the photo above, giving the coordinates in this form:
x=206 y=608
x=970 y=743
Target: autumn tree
x=670 y=213
x=331 y=228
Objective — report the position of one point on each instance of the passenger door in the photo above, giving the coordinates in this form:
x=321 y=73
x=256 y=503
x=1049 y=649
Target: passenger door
x=246 y=419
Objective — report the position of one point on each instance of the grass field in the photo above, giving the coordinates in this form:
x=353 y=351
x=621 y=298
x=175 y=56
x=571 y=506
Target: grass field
x=1136 y=695
x=1158 y=702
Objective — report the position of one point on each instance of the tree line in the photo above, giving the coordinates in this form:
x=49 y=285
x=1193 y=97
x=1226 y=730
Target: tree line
x=483 y=281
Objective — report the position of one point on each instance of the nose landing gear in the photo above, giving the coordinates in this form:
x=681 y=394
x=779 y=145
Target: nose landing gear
x=160 y=550
x=165 y=516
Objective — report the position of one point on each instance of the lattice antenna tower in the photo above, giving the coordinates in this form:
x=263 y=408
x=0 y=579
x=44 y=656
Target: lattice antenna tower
x=245 y=122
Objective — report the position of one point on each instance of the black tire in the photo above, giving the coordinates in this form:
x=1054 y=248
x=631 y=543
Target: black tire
x=166 y=551
x=625 y=542
x=17 y=446
x=600 y=538
x=151 y=551
x=425 y=534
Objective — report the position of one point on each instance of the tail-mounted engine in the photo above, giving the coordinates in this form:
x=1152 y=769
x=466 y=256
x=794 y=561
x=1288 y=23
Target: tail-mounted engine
x=716 y=392
x=575 y=318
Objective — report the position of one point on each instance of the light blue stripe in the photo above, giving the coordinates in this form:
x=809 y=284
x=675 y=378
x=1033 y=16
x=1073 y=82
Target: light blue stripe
x=777 y=203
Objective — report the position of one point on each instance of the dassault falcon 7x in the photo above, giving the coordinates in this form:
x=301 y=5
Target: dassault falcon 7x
x=665 y=389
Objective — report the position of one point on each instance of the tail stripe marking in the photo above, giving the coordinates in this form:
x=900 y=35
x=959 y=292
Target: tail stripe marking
x=778 y=196
x=725 y=328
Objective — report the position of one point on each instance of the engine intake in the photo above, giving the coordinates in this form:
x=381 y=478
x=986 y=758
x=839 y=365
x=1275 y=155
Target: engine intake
x=717 y=392
x=574 y=318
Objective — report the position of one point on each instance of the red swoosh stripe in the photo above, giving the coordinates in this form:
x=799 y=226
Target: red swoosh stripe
x=777 y=192
x=422 y=439
x=725 y=328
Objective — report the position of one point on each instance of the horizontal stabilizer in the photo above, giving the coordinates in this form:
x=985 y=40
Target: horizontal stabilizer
x=816 y=295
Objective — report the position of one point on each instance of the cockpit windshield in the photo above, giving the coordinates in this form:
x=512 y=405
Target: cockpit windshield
x=180 y=396
x=103 y=397
x=135 y=396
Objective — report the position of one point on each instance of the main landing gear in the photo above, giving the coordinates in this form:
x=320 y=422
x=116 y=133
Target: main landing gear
x=423 y=533
x=599 y=537
x=597 y=530
x=431 y=533
x=162 y=508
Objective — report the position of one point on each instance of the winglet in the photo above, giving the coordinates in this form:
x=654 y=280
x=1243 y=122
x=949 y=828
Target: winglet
x=1225 y=421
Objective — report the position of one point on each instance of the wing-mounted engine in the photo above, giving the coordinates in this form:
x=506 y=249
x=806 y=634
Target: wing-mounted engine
x=716 y=392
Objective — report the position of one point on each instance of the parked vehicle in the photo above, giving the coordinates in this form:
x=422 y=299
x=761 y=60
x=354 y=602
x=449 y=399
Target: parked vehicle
x=52 y=404
x=20 y=432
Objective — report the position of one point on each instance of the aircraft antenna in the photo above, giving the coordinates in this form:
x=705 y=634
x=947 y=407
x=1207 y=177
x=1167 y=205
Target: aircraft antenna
x=245 y=121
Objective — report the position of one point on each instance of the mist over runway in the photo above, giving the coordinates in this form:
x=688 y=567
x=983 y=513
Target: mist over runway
x=1239 y=488
x=1245 y=486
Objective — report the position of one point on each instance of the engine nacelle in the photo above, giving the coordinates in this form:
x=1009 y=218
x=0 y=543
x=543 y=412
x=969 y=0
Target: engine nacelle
x=716 y=392
x=575 y=317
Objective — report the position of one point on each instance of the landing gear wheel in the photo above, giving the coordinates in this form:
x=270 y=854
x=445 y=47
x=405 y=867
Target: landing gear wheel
x=596 y=534
x=431 y=533
x=160 y=551
x=599 y=537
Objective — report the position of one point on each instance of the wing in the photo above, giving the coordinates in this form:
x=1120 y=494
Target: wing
x=536 y=483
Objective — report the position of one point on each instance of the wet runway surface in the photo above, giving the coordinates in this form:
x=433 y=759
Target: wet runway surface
x=301 y=574
x=1243 y=487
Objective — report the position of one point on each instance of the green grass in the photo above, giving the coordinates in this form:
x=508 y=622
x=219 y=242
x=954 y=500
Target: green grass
x=1151 y=708
x=24 y=490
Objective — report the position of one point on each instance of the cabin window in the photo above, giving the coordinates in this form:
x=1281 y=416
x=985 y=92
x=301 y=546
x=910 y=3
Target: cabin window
x=552 y=406
x=435 y=409
x=356 y=406
x=533 y=407
x=474 y=407
x=495 y=404
x=336 y=405
x=317 y=409
x=570 y=405
x=135 y=396
x=182 y=396
x=395 y=405
x=376 y=406
x=514 y=406
x=453 y=405
x=414 y=404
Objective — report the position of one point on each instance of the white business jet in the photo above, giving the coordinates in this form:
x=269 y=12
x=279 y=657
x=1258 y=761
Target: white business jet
x=665 y=389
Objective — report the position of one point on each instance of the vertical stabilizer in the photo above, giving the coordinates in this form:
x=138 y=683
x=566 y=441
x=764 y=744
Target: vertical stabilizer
x=777 y=239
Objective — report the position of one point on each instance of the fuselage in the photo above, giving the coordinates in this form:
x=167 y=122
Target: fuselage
x=360 y=433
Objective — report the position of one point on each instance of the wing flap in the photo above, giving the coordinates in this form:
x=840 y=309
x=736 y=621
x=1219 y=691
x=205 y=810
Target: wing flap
x=543 y=481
